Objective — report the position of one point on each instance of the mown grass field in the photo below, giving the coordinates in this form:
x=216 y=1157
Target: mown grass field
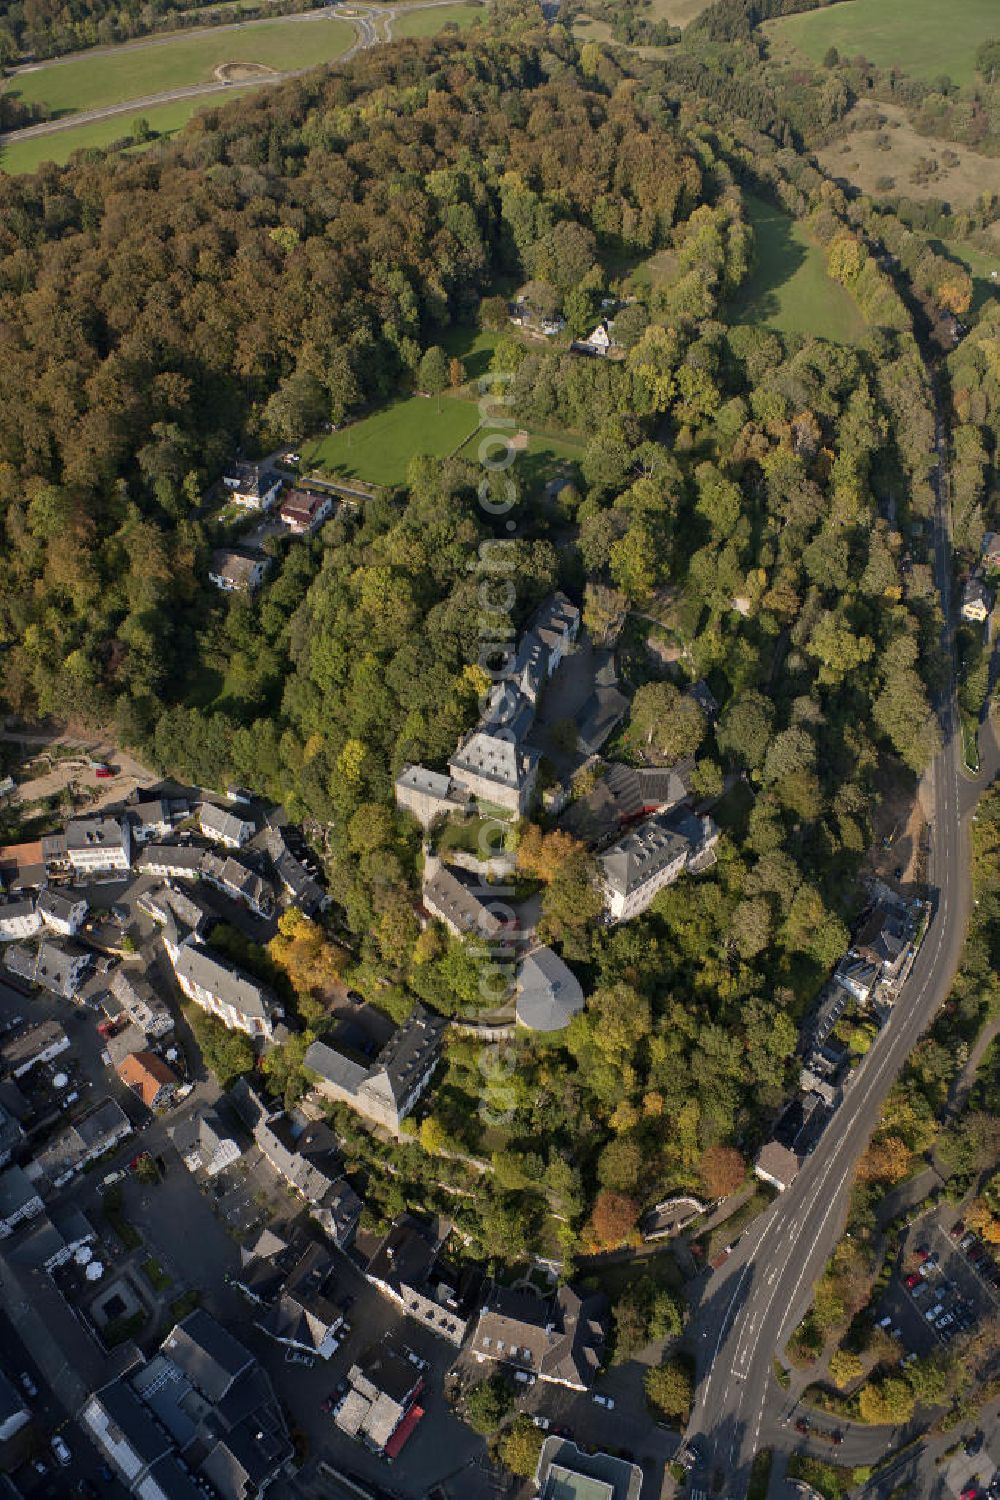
x=924 y=38
x=28 y=154
x=435 y=18
x=140 y=69
x=378 y=448
x=788 y=288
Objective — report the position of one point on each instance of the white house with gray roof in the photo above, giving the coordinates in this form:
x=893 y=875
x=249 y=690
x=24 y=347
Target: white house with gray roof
x=387 y=1089
x=150 y=820
x=224 y=826
x=19 y=1200
x=140 y=1002
x=62 y=913
x=96 y=846
x=19 y=920
x=464 y=908
x=235 y=999
x=652 y=856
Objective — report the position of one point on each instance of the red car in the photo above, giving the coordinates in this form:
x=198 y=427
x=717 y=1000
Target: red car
x=970 y=1492
x=103 y=773
x=912 y=1279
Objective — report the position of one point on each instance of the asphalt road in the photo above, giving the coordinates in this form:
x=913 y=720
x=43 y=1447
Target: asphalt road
x=751 y=1305
x=372 y=26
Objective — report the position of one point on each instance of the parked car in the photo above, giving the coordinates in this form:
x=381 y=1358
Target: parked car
x=523 y=1377
x=415 y=1359
x=103 y=773
x=542 y=1423
x=802 y=1424
x=912 y=1280
x=60 y=1448
x=606 y=1401
x=114 y=1177
x=974 y=1444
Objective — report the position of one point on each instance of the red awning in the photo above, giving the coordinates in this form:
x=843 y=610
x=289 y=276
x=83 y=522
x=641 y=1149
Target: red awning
x=403 y=1432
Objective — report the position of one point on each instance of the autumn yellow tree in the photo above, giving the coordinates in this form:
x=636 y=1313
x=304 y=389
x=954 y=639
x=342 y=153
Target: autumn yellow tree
x=313 y=963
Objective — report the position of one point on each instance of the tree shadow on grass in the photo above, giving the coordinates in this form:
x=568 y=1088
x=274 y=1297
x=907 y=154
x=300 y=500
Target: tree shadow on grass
x=777 y=256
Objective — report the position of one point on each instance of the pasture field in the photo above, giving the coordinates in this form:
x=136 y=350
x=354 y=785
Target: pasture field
x=27 y=154
x=378 y=448
x=862 y=160
x=677 y=12
x=94 y=81
x=920 y=37
x=432 y=20
x=788 y=288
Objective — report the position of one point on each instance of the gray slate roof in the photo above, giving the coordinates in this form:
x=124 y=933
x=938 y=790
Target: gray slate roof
x=640 y=855
x=90 y=833
x=223 y=980
x=549 y=993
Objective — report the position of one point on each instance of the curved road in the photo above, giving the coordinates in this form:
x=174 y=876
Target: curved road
x=751 y=1305
x=372 y=25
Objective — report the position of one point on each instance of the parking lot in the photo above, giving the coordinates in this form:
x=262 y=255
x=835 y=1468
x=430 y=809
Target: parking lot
x=937 y=1295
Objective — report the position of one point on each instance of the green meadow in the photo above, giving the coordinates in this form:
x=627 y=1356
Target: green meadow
x=788 y=288
x=921 y=37
x=94 y=81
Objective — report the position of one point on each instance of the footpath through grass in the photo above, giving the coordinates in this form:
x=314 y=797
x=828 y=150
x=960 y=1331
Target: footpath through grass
x=788 y=288
x=921 y=37
x=143 y=68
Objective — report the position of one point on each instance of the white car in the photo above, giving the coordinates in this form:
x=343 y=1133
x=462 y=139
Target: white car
x=606 y=1401
x=61 y=1450
x=523 y=1377
x=415 y=1359
x=542 y=1423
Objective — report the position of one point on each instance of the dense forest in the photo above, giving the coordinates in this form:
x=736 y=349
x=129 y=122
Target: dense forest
x=297 y=255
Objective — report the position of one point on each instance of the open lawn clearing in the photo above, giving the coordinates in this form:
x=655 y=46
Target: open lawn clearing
x=140 y=69
x=788 y=288
x=862 y=161
x=657 y=270
x=433 y=19
x=473 y=346
x=921 y=37
x=587 y=29
x=27 y=155
x=677 y=12
x=379 y=447
x=545 y=455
